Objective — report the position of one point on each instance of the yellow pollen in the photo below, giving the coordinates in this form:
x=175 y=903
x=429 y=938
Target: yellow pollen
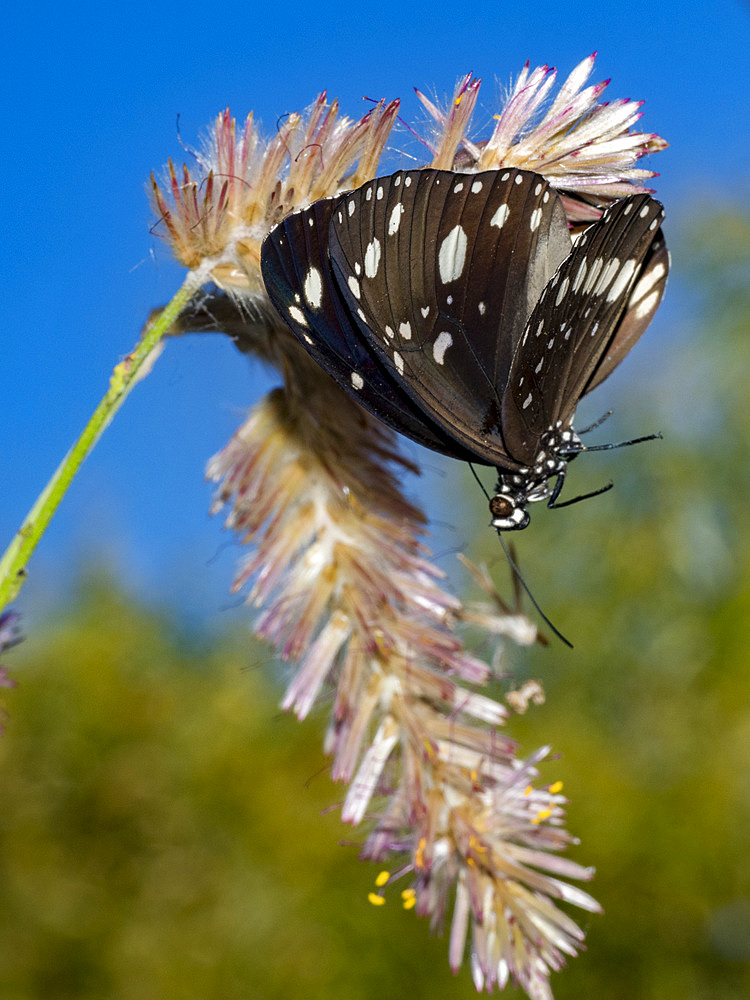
x=376 y=899
x=476 y=845
x=409 y=902
x=528 y=790
x=471 y=862
x=541 y=815
x=408 y=893
x=459 y=99
x=556 y=787
x=419 y=855
x=380 y=643
x=382 y=878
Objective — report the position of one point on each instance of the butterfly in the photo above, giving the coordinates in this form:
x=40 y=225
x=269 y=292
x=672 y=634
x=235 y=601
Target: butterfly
x=458 y=308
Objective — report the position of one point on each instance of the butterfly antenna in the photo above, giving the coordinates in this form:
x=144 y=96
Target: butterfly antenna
x=481 y=484
x=518 y=579
x=597 y=423
x=523 y=583
x=623 y=444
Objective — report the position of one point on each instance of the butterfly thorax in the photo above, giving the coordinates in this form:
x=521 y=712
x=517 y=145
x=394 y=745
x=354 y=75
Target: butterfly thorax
x=530 y=484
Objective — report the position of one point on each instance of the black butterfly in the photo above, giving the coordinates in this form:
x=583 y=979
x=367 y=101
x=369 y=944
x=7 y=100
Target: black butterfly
x=457 y=308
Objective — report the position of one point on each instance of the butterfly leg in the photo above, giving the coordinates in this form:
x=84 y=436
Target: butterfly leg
x=584 y=496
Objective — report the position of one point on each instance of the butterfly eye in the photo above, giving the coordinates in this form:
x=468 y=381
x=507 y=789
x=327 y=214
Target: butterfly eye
x=501 y=507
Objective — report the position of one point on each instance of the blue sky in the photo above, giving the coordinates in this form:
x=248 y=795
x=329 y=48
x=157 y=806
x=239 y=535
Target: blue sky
x=91 y=95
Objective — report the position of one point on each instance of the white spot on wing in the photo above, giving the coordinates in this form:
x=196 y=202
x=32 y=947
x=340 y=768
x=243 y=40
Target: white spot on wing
x=644 y=308
x=357 y=380
x=354 y=286
x=442 y=342
x=611 y=269
x=593 y=274
x=458 y=187
x=452 y=256
x=313 y=287
x=526 y=401
x=398 y=362
x=581 y=274
x=647 y=282
x=351 y=206
x=395 y=220
x=425 y=310
x=476 y=187
x=297 y=315
x=621 y=281
x=562 y=291
x=500 y=216
x=405 y=330
x=372 y=258
x=536 y=218
x=482 y=308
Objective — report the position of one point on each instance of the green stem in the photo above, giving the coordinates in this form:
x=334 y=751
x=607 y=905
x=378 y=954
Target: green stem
x=124 y=377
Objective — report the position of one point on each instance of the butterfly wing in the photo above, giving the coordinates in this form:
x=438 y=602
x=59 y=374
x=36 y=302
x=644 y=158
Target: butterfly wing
x=441 y=271
x=297 y=275
x=644 y=300
x=588 y=317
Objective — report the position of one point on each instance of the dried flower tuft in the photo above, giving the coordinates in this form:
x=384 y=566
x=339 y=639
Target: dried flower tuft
x=222 y=209
x=346 y=589
x=583 y=147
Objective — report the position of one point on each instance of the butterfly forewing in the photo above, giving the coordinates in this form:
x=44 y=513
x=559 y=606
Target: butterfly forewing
x=576 y=325
x=297 y=274
x=441 y=270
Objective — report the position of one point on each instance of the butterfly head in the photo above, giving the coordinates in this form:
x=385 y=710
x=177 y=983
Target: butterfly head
x=515 y=490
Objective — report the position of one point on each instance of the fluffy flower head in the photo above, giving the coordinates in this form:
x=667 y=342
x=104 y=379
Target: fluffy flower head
x=586 y=148
x=222 y=209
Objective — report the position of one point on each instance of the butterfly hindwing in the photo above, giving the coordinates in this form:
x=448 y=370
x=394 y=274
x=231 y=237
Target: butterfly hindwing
x=644 y=300
x=441 y=271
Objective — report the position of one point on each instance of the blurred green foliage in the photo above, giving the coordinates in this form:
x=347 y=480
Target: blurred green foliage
x=166 y=832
